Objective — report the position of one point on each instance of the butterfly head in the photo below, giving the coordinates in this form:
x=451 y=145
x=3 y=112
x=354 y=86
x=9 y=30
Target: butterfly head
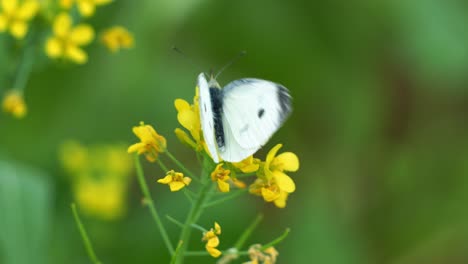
x=213 y=83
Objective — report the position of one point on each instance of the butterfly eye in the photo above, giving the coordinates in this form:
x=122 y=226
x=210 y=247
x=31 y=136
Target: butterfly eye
x=261 y=112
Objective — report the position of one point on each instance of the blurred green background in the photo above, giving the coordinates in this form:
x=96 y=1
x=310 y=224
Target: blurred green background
x=379 y=124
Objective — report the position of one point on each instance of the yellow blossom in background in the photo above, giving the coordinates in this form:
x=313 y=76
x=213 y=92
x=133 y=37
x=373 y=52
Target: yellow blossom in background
x=221 y=176
x=175 y=180
x=248 y=165
x=86 y=7
x=151 y=142
x=116 y=38
x=103 y=199
x=14 y=104
x=67 y=40
x=15 y=16
x=99 y=176
x=212 y=240
x=257 y=256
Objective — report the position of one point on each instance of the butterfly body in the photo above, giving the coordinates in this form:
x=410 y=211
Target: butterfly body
x=238 y=119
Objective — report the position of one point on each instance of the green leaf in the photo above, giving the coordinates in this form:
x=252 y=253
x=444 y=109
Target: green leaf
x=25 y=206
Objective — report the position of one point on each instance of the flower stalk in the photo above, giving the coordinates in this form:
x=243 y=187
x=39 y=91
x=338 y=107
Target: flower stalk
x=149 y=202
x=84 y=236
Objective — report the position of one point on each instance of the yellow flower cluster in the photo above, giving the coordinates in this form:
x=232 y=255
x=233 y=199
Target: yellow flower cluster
x=116 y=38
x=212 y=240
x=272 y=183
x=99 y=176
x=67 y=40
x=151 y=143
x=16 y=15
x=175 y=180
x=257 y=256
x=13 y=103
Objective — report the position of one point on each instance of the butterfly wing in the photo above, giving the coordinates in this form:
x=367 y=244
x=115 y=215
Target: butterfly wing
x=206 y=116
x=253 y=110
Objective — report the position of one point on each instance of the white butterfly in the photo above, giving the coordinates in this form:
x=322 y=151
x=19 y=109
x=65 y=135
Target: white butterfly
x=240 y=118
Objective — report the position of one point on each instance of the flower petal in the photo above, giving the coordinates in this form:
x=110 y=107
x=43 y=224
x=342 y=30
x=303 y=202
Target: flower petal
x=213 y=242
x=19 y=29
x=223 y=186
x=135 y=147
x=86 y=8
x=165 y=180
x=286 y=161
x=213 y=251
x=28 y=10
x=217 y=228
x=176 y=185
x=269 y=195
x=270 y=156
x=188 y=119
x=76 y=54
x=181 y=105
x=280 y=202
x=102 y=2
x=62 y=25
x=9 y=6
x=187 y=180
x=284 y=182
x=54 y=48
x=82 y=35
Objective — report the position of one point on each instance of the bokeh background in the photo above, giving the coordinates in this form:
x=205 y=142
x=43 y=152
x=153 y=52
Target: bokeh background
x=379 y=124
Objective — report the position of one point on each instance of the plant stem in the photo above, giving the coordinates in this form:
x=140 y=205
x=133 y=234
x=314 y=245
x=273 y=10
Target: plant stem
x=84 y=236
x=248 y=232
x=149 y=202
x=176 y=222
x=176 y=253
x=225 y=198
x=277 y=240
x=195 y=210
x=205 y=253
x=25 y=67
x=181 y=166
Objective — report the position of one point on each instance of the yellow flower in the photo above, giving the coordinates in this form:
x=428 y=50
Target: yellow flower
x=272 y=183
x=221 y=176
x=103 y=199
x=116 y=38
x=151 y=142
x=13 y=103
x=66 y=40
x=248 y=165
x=15 y=17
x=268 y=256
x=176 y=180
x=275 y=166
x=212 y=240
x=86 y=7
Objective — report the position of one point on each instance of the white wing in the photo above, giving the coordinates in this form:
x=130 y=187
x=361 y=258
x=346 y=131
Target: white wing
x=206 y=116
x=253 y=110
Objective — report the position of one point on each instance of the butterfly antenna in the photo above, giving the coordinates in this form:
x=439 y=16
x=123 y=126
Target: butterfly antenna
x=176 y=49
x=241 y=54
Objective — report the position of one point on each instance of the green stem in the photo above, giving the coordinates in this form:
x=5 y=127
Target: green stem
x=277 y=240
x=178 y=223
x=226 y=198
x=195 y=210
x=150 y=203
x=181 y=166
x=176 y=253
x=24 y=68
x=84 y=236
x=163 y=167
x=248 y=232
